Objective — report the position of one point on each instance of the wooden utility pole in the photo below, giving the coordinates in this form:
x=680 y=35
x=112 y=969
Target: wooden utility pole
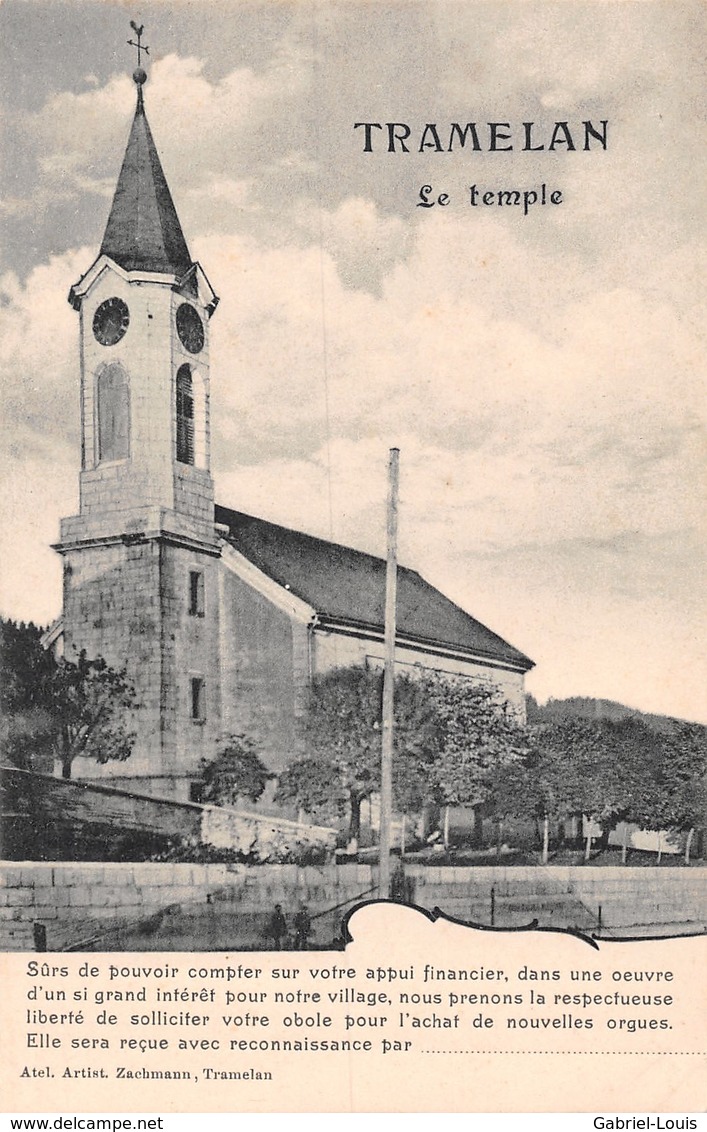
x=391 y=589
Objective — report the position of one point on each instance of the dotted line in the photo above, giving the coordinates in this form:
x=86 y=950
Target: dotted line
x=576 y=1052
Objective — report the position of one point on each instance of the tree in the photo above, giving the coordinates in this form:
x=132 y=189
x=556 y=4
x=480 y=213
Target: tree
x=575 y=769
x=59 y=709
x=611 y=770
x=343 y=735
x=25 y=666
x=314 y=785
x=415 y=737
x=26 y=725
x=511 y=793
x=90 y=702
x=599 y=768
x=236 y=772
x=671 y=794
x=476 y=737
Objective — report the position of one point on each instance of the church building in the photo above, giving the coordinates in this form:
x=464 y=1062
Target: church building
x=221 y=618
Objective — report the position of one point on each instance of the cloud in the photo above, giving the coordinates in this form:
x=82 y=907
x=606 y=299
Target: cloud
x=545 y=427
x=79 y=137
x=268 y=149
x=39 y=367
x=37 y=490
x=598 y=399
x=363 y=243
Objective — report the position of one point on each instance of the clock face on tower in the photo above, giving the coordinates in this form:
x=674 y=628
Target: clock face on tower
x=110 y=321
x=190 y=328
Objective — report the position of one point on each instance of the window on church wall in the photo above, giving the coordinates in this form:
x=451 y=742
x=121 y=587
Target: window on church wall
x=197 y=601
x=197 y=699
x=185 y=415
x=112 y=414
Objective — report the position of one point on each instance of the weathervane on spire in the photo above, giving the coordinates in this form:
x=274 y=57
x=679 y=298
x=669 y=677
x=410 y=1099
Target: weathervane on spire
x=138 y=32
x=139 y=76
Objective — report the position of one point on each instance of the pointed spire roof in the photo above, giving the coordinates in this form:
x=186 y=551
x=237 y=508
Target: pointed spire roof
x=143 y=232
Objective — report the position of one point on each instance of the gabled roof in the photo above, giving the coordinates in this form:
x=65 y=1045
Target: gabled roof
x=143 y=232
x=347 y=588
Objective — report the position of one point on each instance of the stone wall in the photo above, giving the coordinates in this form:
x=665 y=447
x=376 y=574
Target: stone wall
x=111 y=610
x=129 y=603
x=571 y=896
x=214 y=907
x=51 y=819
x=75 y=903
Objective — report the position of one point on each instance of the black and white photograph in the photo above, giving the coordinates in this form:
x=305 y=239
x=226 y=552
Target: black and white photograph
x=354 y=491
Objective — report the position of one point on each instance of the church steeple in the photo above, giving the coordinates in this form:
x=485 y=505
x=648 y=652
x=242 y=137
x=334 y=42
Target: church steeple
x=140 y=581
x=145 y=309
x=143 y=232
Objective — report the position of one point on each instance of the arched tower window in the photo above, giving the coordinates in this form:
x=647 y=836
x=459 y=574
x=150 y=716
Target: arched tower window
x=185 y=415
x=113 y=414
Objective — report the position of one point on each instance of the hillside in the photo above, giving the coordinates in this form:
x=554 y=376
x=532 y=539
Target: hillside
x=585 y=707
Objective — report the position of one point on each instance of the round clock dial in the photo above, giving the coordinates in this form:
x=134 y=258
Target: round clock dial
x=110 y=321
x=190 y=328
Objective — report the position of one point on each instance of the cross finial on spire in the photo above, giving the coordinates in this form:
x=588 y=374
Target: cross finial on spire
x=140 y=47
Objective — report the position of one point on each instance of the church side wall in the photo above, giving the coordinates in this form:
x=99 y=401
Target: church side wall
x=337 y=650
x=263 y=669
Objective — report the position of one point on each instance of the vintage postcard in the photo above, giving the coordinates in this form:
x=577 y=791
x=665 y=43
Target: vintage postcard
x=354 y=737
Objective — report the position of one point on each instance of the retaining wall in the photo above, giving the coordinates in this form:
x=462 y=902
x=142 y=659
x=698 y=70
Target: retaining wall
x=49 y=816
x=72 y=901
x=626 y=896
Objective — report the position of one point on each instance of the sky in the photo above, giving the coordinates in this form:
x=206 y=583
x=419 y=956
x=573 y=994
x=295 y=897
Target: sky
x=542 y=375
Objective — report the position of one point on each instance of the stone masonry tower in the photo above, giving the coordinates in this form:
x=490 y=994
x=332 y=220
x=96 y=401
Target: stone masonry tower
x=141 y=557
